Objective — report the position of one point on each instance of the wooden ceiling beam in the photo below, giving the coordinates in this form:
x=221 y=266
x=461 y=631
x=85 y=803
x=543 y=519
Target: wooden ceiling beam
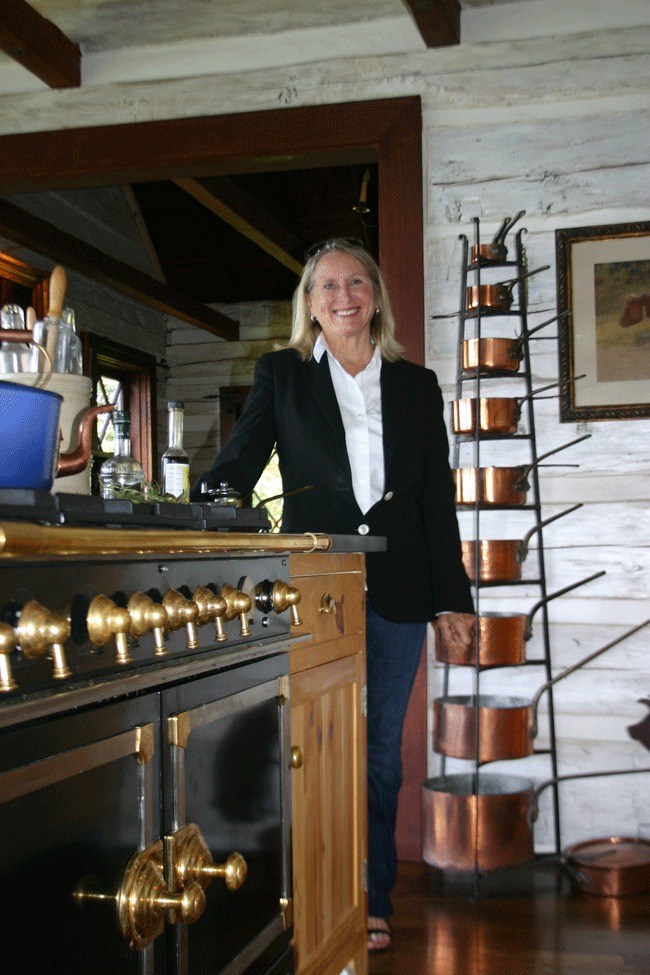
x=39 y=45
x=437 y=20
x=29 y=231
x=230 y=203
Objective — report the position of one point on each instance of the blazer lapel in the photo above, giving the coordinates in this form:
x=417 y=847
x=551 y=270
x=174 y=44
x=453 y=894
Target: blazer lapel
x=392 y=405
x=322 y=390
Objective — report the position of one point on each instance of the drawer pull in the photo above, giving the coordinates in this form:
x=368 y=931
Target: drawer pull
x=327 y=604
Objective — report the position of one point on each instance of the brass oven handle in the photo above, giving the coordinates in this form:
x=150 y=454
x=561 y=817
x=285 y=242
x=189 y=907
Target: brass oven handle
x=40 y=631
x=327 y=604
x=8 y=642
x=182 y=612
x=193 y=861
x=145 y=901
x=104 y=620
x=148 y=616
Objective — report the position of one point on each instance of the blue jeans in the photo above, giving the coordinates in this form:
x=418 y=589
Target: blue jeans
x=393 y=656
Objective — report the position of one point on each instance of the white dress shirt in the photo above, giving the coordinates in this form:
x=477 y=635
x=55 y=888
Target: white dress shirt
x=359 y=399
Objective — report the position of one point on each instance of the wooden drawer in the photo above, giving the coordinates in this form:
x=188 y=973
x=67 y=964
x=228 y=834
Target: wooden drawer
x=332 y=606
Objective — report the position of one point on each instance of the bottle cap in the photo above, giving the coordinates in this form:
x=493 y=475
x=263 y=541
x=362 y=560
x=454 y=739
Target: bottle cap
x=176 y=406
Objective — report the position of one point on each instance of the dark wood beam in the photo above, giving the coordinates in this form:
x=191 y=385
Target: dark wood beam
x=29 y=231
x=239 y=210
x=437 y=20
x=39 y=45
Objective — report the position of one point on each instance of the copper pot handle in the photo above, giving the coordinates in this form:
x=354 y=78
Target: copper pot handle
x=554 y=595
x=578 y=665
x=522 y=551
x=25 y=337
x=514 y=352
x=533 y=812
x=525 y=471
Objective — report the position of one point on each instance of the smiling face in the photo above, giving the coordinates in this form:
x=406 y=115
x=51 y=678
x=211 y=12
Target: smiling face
x=342 y=297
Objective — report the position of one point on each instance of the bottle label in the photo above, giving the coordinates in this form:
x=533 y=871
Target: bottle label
x=176 y=479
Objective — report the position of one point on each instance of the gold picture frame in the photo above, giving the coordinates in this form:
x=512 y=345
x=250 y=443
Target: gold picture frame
x=603 y=289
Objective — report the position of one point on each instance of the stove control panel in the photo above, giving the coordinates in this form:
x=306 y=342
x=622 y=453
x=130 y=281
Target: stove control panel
x=75 y=619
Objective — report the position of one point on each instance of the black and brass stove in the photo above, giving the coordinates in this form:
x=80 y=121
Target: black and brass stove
x=144 y=742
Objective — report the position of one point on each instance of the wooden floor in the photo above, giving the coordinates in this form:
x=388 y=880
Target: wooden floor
x=527 y=921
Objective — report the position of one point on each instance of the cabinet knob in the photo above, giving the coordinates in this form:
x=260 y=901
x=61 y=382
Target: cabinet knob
x=193 y=861
x=40 y=631
x=148 y=617
x=104 y=620
x=327 y=604
x=182 y=612
x=212 y=606
x=237 y=604
x=7 y=646
x=296 y=756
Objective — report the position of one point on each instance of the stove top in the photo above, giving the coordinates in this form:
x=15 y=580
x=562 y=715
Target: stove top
x=85 y=509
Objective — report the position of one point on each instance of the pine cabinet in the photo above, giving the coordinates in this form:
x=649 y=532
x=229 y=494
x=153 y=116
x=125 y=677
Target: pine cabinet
x=328 y=737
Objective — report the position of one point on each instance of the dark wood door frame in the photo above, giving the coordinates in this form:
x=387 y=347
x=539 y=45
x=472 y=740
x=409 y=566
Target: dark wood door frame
x=386 y=130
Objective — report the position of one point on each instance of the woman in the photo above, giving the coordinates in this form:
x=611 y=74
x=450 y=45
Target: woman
x=364 y=429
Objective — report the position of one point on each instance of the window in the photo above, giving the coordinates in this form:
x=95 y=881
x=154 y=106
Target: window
x=125 y=378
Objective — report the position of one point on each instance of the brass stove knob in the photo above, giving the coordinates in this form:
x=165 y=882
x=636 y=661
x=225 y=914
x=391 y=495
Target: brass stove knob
x=284 y=597
x=182 y=612
x=8 y=642
x=148 y=617
x=193 y=861
x=237 y=604
x=40 y=631
x=212 y=606
x=106 y=619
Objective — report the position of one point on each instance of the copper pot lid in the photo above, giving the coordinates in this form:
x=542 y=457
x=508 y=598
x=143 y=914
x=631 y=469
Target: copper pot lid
x=611 y=852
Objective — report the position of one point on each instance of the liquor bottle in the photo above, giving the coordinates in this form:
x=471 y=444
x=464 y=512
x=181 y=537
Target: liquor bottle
x=121 y=470
x=175 y=462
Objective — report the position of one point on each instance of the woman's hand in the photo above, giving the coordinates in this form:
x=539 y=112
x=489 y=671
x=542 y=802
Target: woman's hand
x=455 y=632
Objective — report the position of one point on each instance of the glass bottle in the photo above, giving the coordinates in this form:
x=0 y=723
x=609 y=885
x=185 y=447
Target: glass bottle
x=121 y=470
x=175 y=462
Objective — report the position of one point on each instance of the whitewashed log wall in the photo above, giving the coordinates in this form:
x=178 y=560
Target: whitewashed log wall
x=557 y=127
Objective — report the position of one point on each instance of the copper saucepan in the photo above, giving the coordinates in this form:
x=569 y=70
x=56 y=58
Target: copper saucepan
x=499 y=486
x=494 y=416
x=495 y=297
x=612 y=866
x=502 y=637
x=496 y=356
x=500 y=561
x=495 y=251
x=490 y=728
x=484 y=821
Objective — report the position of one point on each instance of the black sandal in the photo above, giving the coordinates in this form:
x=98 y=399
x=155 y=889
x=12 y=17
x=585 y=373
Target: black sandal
x=376 y=933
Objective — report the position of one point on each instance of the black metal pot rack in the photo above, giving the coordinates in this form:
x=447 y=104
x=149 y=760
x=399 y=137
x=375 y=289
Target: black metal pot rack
x=470 y=324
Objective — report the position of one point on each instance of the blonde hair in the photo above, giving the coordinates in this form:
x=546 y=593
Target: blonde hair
x=304 y=332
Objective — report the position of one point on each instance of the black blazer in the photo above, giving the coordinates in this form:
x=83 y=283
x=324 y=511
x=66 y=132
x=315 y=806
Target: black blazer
x=293 y=404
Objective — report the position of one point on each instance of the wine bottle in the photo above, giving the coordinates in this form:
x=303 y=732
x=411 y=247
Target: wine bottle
x=175 y=462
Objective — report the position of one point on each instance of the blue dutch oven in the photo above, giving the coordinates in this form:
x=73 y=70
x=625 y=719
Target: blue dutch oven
x=29 y=436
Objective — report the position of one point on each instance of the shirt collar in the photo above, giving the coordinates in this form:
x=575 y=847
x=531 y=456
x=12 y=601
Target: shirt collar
x=321 y=347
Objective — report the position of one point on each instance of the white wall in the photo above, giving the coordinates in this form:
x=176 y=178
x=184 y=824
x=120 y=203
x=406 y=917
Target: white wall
x=558 y=127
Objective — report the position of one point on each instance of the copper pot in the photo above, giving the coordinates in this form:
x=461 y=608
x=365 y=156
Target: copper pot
x=490 y=728
x=500 y=561
x=495 y=251
x=484 y=821
x=498 y=355
x=614 y=866
x=502 y=637
x=499 y=486
x=491 y=415
x=477 y=822
x=495 y=297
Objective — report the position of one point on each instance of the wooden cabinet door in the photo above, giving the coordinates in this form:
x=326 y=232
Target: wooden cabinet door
x=329 y=816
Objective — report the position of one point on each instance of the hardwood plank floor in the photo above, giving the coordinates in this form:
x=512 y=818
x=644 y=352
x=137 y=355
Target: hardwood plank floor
x=527 y=921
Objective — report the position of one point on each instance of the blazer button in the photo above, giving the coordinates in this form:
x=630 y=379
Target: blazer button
x=363 y=529
x=388 y=496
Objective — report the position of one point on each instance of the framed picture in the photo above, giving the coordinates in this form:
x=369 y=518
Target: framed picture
x=603 y=287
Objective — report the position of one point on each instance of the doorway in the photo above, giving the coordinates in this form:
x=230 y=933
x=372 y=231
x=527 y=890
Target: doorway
x=387 y=130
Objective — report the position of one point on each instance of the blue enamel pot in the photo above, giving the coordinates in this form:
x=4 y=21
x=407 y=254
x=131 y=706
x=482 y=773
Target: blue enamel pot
x=29 y=436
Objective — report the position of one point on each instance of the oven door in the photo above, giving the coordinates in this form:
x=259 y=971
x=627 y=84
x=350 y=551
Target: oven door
x=78 y=798
x=227 y=805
